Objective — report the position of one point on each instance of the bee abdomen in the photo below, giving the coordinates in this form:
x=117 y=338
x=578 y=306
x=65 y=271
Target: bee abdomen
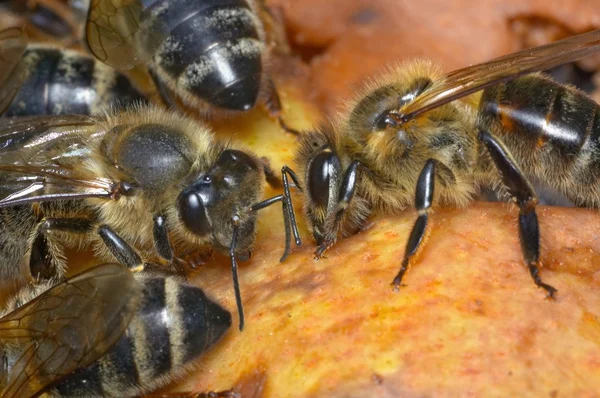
x=553 y=132
x=66 y=82
x=173 y=326
x=539 y=115
x=214 y=51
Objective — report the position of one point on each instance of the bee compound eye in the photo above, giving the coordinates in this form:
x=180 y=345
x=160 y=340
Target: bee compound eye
x=323 y=171
x=192 y=213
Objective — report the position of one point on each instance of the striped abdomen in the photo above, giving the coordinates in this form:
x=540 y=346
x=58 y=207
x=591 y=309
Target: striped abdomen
x=60 y=82
x=174 y=325
x=213 y=53
x=553 y=132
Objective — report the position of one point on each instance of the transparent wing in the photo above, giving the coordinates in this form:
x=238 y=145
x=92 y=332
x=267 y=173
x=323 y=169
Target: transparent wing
x=13 y=42
x=68 y=327
x=41 y=160
x=125 y=33
x=474 y=78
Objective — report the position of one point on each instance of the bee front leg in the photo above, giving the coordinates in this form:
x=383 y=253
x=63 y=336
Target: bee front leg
x=289 y=222
x=285 y=171
x=334 y=222
x=124 y=253
x=289 y=216
x=164 y=248
x=524 y=195
x=423 y=200
x=162 y=244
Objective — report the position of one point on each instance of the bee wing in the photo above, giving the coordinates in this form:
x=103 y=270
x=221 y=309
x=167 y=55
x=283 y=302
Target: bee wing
x=13 y=42
x=125 y=33
x=474 y=78
x=69 y=326
x=41 y=160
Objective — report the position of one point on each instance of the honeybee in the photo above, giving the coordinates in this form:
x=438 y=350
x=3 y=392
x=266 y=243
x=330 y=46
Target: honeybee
x=105 y=332
x=45 y=80
x=154 y=178
x=214 y=56
x=416 y=137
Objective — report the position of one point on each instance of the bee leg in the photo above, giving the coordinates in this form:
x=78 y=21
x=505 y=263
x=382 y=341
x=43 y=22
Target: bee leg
x=289 y=217
x=161 y=238
x=274 y=22
x=285 y=171
x=163 y=91
x=163 y=247
x=524 y=195
x=423 y=200
x=270 y=175
x=347 y=191
x=234 y=273
x=74 y=225
x=273 y=105
x=293 y=176
x=39 y=266
x=40 y=249
x=124 y=253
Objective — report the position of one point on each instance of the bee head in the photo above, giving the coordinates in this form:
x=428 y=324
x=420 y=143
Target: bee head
x=207 y=207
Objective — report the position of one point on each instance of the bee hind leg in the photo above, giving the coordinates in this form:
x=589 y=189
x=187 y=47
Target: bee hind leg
x=423 y=200
x=43 y=257
x=524 y=195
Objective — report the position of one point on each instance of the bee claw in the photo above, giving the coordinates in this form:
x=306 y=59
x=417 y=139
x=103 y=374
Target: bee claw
x=188 y=263
x=396 y=286
x=321 y=249
x=551 y=292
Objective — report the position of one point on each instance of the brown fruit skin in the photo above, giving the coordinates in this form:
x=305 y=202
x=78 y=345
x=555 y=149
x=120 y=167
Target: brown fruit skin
x=468 y=322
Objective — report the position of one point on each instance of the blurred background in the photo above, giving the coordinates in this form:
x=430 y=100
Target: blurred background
x=343 y=41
